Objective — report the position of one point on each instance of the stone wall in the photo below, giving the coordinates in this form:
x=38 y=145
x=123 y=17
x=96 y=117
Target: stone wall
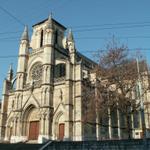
x=137 y=144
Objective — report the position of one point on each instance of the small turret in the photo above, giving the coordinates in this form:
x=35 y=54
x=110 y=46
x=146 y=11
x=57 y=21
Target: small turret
x=71 y=46
x=70 y=42
x=10 y=73
x=49 y=24
x=70 y=36
x=25 y=35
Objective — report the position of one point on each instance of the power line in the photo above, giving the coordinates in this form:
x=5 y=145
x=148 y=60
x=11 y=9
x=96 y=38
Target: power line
x=108 y=28
x=119 y=37
x=131 y=49
x=8 y=56
x=11 y=15
x=11 y=38
x=86 y=38
x=96 y=27
x=10 y=32
x=109 y=24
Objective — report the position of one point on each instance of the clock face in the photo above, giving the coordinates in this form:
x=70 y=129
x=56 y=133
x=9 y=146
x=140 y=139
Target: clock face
x=36 y=72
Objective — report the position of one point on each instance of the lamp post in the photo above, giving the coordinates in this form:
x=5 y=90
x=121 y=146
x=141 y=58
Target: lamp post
x=141 y=105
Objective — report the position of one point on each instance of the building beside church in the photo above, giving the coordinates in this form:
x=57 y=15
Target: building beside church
x=44 y=100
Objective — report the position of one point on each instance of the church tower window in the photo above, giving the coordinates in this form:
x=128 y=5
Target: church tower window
x=60 y=70
x=56 y=37
x=41 y=40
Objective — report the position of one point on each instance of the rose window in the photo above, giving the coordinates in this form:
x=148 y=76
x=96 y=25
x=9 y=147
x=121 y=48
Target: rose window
x=36 y=72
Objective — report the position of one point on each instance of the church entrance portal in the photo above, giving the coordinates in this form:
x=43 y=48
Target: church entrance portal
x=31 y=123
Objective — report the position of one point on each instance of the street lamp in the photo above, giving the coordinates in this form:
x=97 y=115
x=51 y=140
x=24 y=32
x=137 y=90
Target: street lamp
x=141 y=105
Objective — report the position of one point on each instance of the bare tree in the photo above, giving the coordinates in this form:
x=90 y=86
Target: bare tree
x=118 y=82
x=88 y=109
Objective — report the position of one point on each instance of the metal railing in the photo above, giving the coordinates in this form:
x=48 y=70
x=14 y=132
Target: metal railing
x=46 y=145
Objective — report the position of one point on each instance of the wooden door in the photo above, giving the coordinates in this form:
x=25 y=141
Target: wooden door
x=33 y=130
x=61 y=131
x=141 y=135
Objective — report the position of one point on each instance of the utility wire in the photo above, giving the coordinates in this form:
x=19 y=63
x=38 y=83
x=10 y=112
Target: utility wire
x=8 y=56
x=133 y=49
x=96 y=27
x=119 y=37
x=108 y=28
x=109 y=24
x=11 y=32
x=86 y=38
x=12 y=16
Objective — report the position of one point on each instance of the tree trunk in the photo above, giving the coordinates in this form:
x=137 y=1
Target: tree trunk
x=128 y=127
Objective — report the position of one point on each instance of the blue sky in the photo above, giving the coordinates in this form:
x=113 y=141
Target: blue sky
x=93 y=22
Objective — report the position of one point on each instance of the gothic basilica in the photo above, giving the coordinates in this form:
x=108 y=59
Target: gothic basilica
x=43 y=99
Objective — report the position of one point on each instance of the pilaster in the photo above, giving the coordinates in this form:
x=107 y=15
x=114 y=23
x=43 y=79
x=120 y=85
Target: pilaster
x=78 y=118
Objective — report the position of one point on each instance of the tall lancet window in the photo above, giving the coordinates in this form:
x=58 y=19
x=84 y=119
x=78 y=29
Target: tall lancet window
x=60 y=70
x=41 y=41
x=56 y=37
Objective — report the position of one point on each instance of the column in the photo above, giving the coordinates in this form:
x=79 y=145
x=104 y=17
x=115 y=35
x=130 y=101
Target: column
x=118 y=122
x=109 y=124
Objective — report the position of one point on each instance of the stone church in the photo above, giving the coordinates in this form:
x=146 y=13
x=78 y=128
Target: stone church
x=43 y=100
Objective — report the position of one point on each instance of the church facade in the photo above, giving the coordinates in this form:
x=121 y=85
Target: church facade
x=43 y=100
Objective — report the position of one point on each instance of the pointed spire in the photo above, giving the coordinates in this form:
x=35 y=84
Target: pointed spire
x=49 y=22
x=50 y=16
x=25 y=34
x=10 y=73
x=10 y=68
x=70 y=36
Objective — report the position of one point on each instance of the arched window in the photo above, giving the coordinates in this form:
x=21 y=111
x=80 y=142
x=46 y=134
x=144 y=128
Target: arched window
x=36 y=72
x=14 y=83
x=41 y=40
x=56 y=37
x=60 y=70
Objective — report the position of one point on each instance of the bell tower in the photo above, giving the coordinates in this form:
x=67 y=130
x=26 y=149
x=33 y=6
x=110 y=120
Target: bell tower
x=22 y=60
x=48 y=61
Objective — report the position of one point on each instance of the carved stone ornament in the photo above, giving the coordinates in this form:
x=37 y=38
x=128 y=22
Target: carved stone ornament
x=48 y=30
x=36 y=72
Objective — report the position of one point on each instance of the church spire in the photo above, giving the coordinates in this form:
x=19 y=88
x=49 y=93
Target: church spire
x=71 y=46
x=50 y=16
x=10 y=73
x=49 y=22
x=70 y=36
x=25 y=35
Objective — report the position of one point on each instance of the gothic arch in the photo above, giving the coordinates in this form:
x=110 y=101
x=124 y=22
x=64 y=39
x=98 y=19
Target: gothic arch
x=30 y=114
x=9 y=121
x=33 y=61
x=28 y=102
x=27 y=110
x=9 y=127
x=14 y=82
x=59 y=118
